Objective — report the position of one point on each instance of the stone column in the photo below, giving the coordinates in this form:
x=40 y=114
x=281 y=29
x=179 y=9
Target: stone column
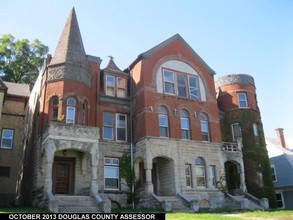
x=94 y=169
x=49 y=159
x=242 y=177
x=149 y=188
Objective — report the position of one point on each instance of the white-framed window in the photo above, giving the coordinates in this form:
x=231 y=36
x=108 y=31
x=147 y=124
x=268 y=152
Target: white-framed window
x=200 y=172
x=236 y=131
x=188 y=176
x=255 y=129
x=163 y=122
x=115 y=86
x=242 y=100
x=279 y=198
x=204 y=127
x=111 y=173
x=184 y=122
x=7 y=138
x=274 y=174
x=213 y=175
x=70 y=111
x=181 y=84
x=194 y=87
x=114 y=129
x=121 y=127
x=169 y=82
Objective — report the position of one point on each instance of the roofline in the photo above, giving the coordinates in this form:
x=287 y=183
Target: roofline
x=163 y=44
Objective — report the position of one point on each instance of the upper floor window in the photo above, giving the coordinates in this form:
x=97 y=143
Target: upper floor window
x=181 y=84
x=84 y=113
x=200 y=172
x=163 y=122
x=236 y=131
x=242 y=100
x=114 y=129
x=70 y=111
x=255 y=129
x=54 y=108
x=184 y=122
x=115 y=86
x=204 y=126
x=7 y=138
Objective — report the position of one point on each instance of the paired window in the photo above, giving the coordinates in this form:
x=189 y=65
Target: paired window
x=274 y=174
x=70 y=111
x=114 y=126
x=242 y=100
x=236 y=131
x=7 y=138
x=115 y=86
x=111 y=173
x=200 y=172
x=181 y=84
x=163 y=122
x=204 y=126
x=184 y=122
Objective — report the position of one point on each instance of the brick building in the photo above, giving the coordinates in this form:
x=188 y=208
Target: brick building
x=162 y=110
x=13 y=99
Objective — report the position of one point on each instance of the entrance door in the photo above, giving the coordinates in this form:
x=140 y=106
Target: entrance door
x=63 y=175
x=154 y=178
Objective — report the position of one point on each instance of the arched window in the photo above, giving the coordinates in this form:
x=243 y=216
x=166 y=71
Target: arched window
x=184 y=122
x=70 y=111
x=204 y=126
x=200 y=172
x=54 y=108
x=163 y=122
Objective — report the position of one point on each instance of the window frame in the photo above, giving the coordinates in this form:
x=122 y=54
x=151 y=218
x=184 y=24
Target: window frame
x=196 y=88
x=111 y=165
x=116 y=126
x=115 y=86
x=241 y=100
x=54 y=108
x=70 y=107
x=274 y=173
x=188 y=176
x=11 y=139
x=163 y=113
x=108 y=126
x=185 y=118
x=204 y=121
x=213 y=175
x=233 y=131
x=281 y=200
x=203 y=168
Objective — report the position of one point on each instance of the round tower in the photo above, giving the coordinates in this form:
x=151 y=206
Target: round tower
x=240 y=118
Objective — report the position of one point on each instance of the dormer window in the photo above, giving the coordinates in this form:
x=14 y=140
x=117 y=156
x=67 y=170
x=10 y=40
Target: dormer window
x=115 y=86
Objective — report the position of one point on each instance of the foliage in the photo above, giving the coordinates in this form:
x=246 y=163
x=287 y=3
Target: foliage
x=222 y=186
x=126 y=172
x=20 y=60
x=255 y=155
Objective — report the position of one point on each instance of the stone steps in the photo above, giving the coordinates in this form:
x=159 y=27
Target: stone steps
x=77 y=204
x=177 y=205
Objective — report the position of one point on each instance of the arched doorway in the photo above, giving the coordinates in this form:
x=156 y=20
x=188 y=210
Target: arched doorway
x=232 y=170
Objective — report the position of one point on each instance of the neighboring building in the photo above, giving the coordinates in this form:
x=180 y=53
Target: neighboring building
x=281 y=158
x=13 y=99
x=241 y=120
x=162 y=110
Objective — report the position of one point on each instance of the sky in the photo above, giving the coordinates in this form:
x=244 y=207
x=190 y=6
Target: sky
x=254 y=37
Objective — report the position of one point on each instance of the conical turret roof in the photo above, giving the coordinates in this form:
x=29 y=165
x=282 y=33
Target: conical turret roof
x=69 y=60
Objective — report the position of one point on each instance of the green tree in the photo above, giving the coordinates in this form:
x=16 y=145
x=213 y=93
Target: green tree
x=21 y=60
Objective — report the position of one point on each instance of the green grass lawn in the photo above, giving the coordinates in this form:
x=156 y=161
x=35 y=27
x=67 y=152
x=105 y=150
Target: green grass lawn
x=256 y=215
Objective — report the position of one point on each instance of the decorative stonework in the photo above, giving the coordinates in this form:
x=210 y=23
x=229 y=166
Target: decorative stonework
x=56 y=73
x=234 y=79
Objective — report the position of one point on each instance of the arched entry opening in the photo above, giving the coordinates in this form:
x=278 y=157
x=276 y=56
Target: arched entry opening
x=163 y=176
x=232 y=170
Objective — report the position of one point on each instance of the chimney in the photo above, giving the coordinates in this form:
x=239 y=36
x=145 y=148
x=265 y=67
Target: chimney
x=280 y=136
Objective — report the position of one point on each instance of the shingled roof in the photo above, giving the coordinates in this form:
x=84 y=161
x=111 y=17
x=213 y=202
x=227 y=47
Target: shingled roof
x=17 y=89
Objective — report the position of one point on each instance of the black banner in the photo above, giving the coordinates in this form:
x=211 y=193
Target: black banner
x=83 y=216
